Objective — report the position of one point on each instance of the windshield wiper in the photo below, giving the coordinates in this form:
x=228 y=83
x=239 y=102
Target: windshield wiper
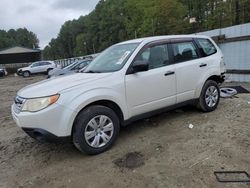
x=91 y=71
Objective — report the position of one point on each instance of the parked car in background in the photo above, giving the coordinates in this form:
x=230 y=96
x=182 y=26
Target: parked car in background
x=3 y=71
x=70 y=69
x=37 y=68
x=128 y=81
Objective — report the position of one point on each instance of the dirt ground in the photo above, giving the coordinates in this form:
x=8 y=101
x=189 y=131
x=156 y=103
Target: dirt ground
x=158 y=152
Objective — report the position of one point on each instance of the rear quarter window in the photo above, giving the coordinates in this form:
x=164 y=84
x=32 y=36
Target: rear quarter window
x=206 y=46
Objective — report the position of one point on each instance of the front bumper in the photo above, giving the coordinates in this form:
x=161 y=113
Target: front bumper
x=19 y=73
x=45 y=136
x=54 y=121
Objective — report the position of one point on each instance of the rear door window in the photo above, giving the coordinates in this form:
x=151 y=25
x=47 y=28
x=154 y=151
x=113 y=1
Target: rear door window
x=206 y=46
x=41 y=63
x=184 y=51
x=45 y=63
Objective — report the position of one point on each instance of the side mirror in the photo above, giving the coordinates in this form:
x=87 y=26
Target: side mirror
x=140 y=66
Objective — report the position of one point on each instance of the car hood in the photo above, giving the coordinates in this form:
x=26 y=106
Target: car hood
x=24 y=68
x=54 y=70
x=58 y=72
x=58 y=84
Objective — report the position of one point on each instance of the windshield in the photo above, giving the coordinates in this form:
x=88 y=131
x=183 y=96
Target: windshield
x=112 y=59
x=77 y=65
x=71 y=65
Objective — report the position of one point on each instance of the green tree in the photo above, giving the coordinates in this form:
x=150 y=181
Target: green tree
x=113 y=21
x=19 y=37
x=81 y=45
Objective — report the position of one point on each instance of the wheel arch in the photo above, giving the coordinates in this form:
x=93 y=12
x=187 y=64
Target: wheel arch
x=215 y=77
x=107 y=103
x=110 y=104
x=26 y=71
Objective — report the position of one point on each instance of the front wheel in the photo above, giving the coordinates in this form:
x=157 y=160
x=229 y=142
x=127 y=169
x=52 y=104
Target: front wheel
x=50 y=69
x=96 y=129
x=26 y=74
x=210 y=96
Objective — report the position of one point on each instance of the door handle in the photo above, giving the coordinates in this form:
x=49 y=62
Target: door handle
x=169 y=73
x=203 y=65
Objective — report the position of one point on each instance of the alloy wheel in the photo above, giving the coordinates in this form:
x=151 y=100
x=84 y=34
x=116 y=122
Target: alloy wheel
x=99 y=131
x=211 y=96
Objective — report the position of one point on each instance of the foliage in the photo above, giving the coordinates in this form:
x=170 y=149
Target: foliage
x=113 y=21
x=19 y=37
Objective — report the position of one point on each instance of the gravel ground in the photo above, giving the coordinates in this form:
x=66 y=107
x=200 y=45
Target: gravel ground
x=158 y=152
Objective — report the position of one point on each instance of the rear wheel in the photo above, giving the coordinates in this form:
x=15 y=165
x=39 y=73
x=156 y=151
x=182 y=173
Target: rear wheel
x=210 y=96
x=26 y=74
x=96 y=129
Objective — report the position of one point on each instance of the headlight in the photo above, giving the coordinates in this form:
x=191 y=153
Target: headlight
x=37 y=104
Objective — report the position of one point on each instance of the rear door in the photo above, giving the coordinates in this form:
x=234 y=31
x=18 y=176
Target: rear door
x=189 y=68
x=44 y=66
x=155 y=88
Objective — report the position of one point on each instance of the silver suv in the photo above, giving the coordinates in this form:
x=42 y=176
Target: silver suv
x=37 y=68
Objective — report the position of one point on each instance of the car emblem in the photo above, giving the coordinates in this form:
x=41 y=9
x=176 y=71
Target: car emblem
x=19 y=101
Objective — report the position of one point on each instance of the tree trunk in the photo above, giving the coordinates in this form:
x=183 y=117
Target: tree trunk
x=237 y=12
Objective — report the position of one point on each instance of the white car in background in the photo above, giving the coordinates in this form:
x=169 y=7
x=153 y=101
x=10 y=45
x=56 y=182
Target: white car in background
x=128 y=81
x=37 y=68
x=3 y=71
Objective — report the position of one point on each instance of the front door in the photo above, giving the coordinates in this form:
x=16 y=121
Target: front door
x=155 y=88
x=35 y=67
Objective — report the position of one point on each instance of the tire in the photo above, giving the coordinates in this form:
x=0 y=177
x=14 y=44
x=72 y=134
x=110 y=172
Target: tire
x=94 y=142
x=26 y=74
x=210 y=96
x=50 y=69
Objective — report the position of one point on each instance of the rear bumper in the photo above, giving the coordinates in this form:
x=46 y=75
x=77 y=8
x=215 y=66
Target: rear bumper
x=222 y=77
x=45 y=136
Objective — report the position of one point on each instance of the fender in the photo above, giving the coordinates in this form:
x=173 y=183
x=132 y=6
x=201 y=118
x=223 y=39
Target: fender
x=212 y=71
x=90 y=96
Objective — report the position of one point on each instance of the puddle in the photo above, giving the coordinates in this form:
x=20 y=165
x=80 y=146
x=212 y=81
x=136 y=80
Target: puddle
x=131 y=160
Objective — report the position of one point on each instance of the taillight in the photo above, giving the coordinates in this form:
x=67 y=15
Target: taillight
x=222 y=65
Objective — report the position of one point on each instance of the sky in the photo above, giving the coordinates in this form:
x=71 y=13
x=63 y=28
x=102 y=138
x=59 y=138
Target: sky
x=43 y=17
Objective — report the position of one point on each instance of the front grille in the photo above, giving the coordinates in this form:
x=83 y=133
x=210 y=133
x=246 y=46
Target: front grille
x=19 y=101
